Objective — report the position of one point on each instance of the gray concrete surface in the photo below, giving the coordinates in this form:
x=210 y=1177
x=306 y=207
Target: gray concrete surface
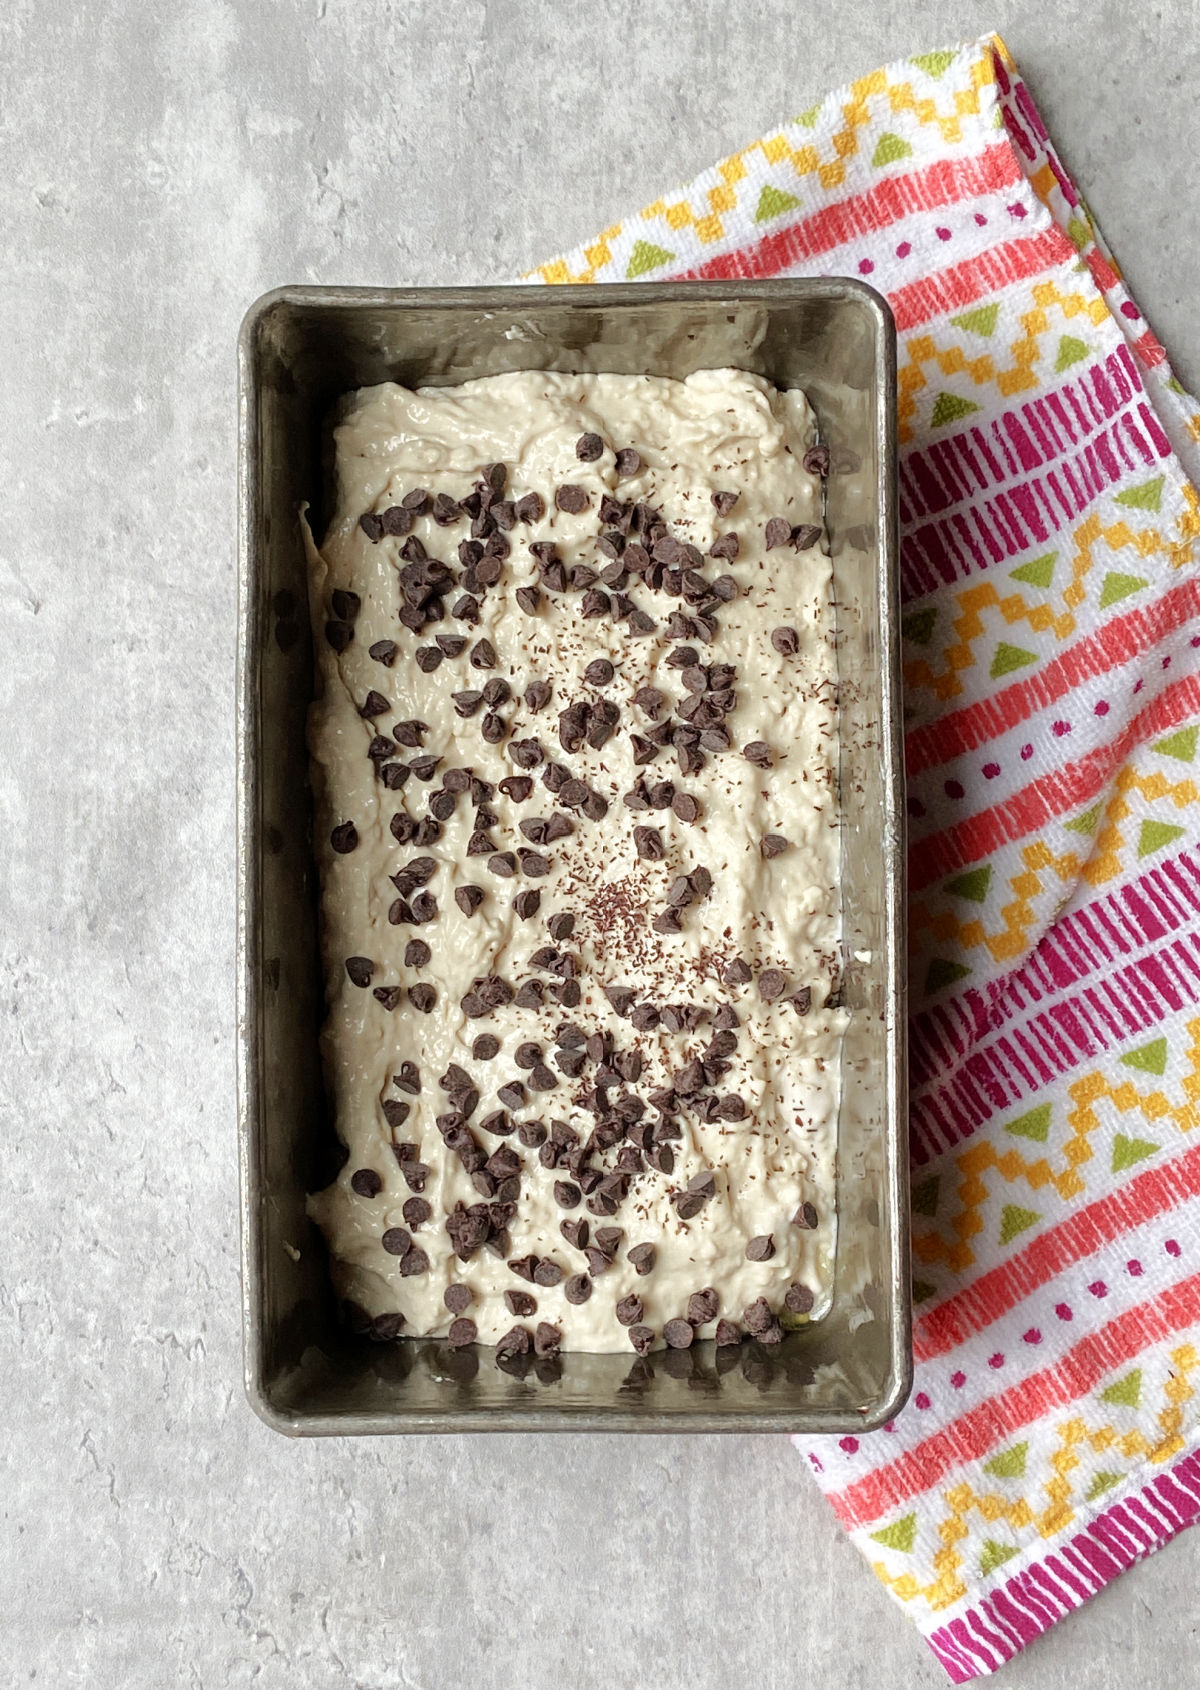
x=160 y=167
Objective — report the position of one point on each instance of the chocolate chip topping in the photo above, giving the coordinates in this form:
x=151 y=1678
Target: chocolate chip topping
x=678 y=1334
x=773 y=845
x=798 y=1299
x=462 y=1332
x=758 y=752
x=366 y=1182
x=571 y=499
x=520 y=1303
x=805 y=1217
x=760 y=1249
x=703 y=1306
x=457 y=1298
x=422 y=996
x=577 y=1289
x=727 y=1334
x=724 y=502
x=786 y=641
x=360 y=969
x=816 y=460
x=588 y=448
x=777 y=533
x=643 y=1257
x=772 y=984
x=628 y=462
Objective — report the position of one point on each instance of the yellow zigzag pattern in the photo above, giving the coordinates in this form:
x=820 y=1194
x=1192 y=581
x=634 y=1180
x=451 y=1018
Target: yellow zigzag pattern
x=1104 y=863
x=1014 y=608
x=806 y=160
x=980 y=1159
x=1073 y=1437
x=952 y=360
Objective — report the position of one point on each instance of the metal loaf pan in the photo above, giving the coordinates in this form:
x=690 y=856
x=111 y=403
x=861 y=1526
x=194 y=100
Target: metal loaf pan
x=300 y=350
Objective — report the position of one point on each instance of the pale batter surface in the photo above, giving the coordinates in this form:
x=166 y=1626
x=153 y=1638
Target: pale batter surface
x=579 y=932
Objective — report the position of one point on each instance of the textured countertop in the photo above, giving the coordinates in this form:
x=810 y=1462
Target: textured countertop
x=162 y=167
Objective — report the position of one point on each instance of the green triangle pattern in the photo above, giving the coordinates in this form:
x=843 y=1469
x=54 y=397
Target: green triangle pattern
x=1015 y=1220
x=1151 y=1058
x=934 y=64
x=773 y=202
x=995 y=1555
x=1181 y=746
x=1126 y=1152
x=1038 y=572
x=980 y=320
x=1154 y=835
x=1087 y=822
x=919 y=626
x=1127 y=1392
x=889 y=149
x=1117 y=587
x=1035 y=1124
x=1176 y=386
x=924 y=1199
x=645 y=256
x=973 y=885
x=943 y=973
x=901 y=1535
x=948 y=407
x=922 y=1290
x=1103 y=1481
x=1009 y=1464
x=1079 y=233
x=808 y=119
x=1010 y=657
x=1070 y=351
x=1147 y=497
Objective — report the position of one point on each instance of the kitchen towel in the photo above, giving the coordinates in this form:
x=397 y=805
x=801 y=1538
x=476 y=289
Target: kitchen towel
x=1051 y=617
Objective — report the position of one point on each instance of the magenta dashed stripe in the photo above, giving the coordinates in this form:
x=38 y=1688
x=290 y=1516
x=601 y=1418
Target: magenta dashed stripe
x=1019 y=441
x=1115 y=926
x=1130 y=1001
x=1011 y=523
x=1030 y=1602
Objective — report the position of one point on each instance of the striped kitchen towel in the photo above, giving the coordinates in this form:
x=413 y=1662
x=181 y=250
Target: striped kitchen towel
x=1052 y=664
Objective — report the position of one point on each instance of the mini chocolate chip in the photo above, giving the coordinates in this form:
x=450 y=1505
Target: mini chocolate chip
x=703 y=1306
x=577 y=1289
x=395 y=1113
x=628 y=462
x=760 y=1249
x=360 y=969
x=727 y=1334
x=408 y=1079
x=422 y=996
x=801 y=1000
x=493 y=728
x=468 y=898
x=416 y=1212
x=786 y=641
x=531 y=508
x=571 y=499
x=667 y=921
x=576 y=1233
x=533 y=863
x=520 y=1303
x=526 y=904
x=643 y=1258
x=529 y=598
x=773 y=845
x=621 y=998
x=462 y=1332
x=366 y=1182
x=777 y=533
x=547 y=1339
x=338 y=635
x=560 y=925
x=483 y=655
x=371 y=525
x=724 y=502
x=396 y=1241
x=389 y=996
x=727 y=546
x=738 y=972
x=375 y=704
x=678 y=1334
x=649 y=844
x=503 y=864
x=496 y=692
x=594 y=807
x=515 y=1342
x=772 y=984
x=344 y=838
x=816 y=460
x=629 y=1310
x=413 y=1263
x=588 y=448
x=805 y=1217
x=547 y=1273
x=594 y=603
x=599 y=672
x=758 y=752
x=516 y=787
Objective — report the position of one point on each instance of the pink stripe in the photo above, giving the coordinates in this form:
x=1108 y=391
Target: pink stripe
x=1031 y=1601
x=1117 y=924
x=999 y=519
